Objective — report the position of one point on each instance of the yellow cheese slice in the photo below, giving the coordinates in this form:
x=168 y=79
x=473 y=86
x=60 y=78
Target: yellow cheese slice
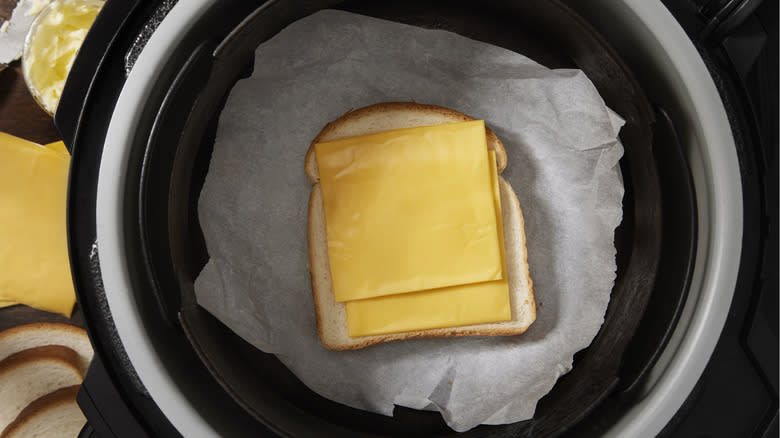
x=453 y=306
x=33 y=244
x=409 y=210
x=58 y=146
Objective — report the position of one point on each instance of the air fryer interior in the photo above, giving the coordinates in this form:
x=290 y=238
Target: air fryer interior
x=655 y=241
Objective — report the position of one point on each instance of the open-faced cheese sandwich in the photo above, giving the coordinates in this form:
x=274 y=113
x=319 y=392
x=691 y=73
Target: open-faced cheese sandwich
x=412 y=232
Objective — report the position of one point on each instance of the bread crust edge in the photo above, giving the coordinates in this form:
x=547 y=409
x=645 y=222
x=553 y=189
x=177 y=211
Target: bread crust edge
x=57 y=353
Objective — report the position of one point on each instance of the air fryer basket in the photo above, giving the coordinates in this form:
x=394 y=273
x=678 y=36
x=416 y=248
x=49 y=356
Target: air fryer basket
x=167 y=244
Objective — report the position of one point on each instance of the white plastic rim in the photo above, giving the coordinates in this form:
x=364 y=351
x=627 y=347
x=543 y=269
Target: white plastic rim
x=715 y=170
x=111 y=246
x=719 y=203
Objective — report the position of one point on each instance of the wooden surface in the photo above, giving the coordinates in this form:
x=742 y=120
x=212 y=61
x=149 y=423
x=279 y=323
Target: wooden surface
x=21 y=116
x=6 y=6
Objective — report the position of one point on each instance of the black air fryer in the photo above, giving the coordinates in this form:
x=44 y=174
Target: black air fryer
x=240 y=391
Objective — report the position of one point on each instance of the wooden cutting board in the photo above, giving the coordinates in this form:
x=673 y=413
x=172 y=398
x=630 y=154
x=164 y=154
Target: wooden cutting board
x=22 y=117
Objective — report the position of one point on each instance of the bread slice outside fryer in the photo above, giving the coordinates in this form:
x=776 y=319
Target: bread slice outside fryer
x=54 y=415
x=32 y=373
x=331 y=315
x=38 y=334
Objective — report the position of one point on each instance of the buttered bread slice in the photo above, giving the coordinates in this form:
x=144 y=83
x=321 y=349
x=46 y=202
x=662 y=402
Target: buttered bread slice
x=331 y=314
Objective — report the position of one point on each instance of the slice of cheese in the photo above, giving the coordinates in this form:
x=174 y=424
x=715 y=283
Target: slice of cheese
x=453 y=306
x=33 y=243
x=58 y=146
x=409 y=210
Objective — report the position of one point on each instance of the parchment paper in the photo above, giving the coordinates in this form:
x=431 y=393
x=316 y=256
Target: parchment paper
x=563 y=152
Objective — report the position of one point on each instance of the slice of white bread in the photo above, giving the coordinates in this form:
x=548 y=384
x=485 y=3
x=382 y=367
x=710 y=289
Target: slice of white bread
x=332 y=316
x=39 y=334
x=55 y=415
x=30 y=374
x=392 y=115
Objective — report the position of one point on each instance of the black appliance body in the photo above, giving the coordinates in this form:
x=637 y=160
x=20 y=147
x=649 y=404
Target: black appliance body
x=658 y=243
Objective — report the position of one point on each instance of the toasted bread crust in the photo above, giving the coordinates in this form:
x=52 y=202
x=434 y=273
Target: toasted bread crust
x=445 y=115
x=37 y=326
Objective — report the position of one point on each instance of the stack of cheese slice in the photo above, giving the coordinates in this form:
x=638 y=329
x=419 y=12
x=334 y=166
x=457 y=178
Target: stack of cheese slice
x=34 y=251
x=413 y=229
x=42 y=366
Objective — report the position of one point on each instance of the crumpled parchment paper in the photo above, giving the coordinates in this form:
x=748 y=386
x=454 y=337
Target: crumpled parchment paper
x=563 y=152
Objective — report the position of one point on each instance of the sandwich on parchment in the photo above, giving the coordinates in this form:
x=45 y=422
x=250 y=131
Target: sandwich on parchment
x=462 y=270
